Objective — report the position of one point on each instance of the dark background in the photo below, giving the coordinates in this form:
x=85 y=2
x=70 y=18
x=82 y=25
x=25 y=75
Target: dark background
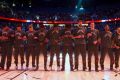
x=63 y=3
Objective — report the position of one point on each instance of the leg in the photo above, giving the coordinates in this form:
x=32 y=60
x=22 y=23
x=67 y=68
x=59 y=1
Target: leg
x=9 y=56
x=37 y=56
x=76 y=57
x=33 y=52
x=96 y=58
x=64 y=52
x=89 y=58
x=52 y=51
x=83 y=52
x=28 y=51
x=3 y=57
x=111 y=58
x=58 y=55
x=102 y=57
x=70 y=52
x=117 y=53
x=43 y=49
x=16 y=56
x=21 y=50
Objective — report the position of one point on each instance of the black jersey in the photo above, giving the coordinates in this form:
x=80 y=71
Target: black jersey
x=94 y=36
x=19 y=38
x=82 y=33
x=67 y=37
x=54 y=37
x=106 y=39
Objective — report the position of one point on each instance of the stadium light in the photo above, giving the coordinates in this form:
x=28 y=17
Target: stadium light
x=81 y=8
x=22 y=5
x=30 y=4
x=76 y=7
x=13 y=5
x=104 y=20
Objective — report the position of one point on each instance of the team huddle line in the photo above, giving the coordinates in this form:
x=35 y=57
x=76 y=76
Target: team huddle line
x=55 y=40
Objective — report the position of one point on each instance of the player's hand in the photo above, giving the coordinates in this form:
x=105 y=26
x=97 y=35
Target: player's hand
x=19 y=37
x=82 y=36
x=117 y=47
x=24 y=38
x=12 y=35
x=4 y=38
x=89 y=34
x=46 y=40
x=95 y=42
x=35 y=37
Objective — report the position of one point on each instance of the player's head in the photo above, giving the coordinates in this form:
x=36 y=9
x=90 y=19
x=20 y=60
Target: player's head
x=92 y=26
x=5 y=27
x=42 y=26
x=107 y=28
x=118 y=30
x=80 y=23
x=31 y=27
x=19 y=27
x=67 y=26
x=55 y=27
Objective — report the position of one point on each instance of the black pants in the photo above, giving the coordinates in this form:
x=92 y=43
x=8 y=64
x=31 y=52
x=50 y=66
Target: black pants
x=30 y=51
x=117 y=55
x=81 y=48
x=92 y=49
x=69 y=50
x=105 y=50
x=19 y=51
x=35 y=57
x=55 y=49
x=44 y=51
x=6 y=54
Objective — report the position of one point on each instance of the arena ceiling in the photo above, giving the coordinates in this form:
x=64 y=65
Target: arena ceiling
x=61 y=3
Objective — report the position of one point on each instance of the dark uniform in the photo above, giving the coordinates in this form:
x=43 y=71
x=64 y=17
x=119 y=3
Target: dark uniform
x=19 y=46
x=93 y=47
x=42 y=36
x=116 y=42
x=106 y=47
x=36 y=50
x=7 y=47
x=54 y=37
x=67 y=47
x=80 y=46
x=30 y=47
x=0 y=44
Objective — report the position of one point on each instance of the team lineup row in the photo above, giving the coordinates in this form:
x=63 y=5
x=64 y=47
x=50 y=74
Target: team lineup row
x=76 y=42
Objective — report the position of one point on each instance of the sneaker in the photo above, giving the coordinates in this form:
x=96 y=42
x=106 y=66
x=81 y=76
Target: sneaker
x=117 y=69
x=7 y=69
x=102 y=68
x=111 y=68
x=63 y=69
x=2 y=68
x=96 y=70
x=33 y=68
x=26 y=68
x=90 y=69
x=50 y=68
x=37 y=68
x=22 y=68
x=75 y=69
x=84 y=68
x=46 y=69
x=16 y=67
x=72 y=69
x=58 y=68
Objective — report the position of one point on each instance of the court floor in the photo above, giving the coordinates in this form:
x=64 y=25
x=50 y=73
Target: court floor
x=12 y=74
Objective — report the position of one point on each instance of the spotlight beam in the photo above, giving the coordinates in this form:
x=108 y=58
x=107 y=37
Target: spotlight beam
x=79 y=4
